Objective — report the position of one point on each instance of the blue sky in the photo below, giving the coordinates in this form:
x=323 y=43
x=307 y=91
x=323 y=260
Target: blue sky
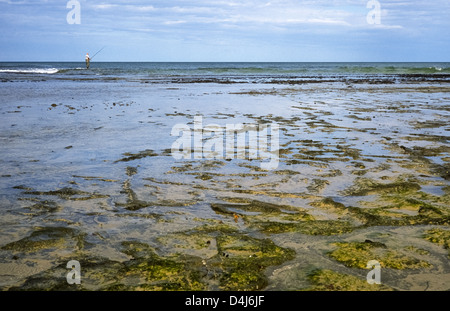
x=220 y=30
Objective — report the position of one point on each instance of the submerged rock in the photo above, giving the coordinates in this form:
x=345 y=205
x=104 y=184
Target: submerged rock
x=358 y=254
x=244 y=259
x=47 y=238
x=365 y=186
x=327 y=280
x=316 y=227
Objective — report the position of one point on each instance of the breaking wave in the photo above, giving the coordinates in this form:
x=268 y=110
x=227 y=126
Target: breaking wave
x=31 y=70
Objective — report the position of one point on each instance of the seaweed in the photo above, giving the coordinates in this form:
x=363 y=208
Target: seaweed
x=328 y=280
x=316 y=227
x=244 y=259
x=358 y=254
x=439 y=236
x=365 y=186
x=69 y=194
x=47 y=238
x=136 y=156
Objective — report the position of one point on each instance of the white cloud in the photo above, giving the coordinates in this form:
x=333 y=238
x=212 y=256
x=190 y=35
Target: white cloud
x=291 y=23
x=254 y=14
x=104 y=6
x=174 y=22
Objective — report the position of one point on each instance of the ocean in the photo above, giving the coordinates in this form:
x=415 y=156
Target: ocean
x=240 y=72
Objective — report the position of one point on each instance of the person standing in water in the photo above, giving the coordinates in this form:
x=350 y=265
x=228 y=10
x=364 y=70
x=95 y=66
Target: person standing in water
x=88 y=61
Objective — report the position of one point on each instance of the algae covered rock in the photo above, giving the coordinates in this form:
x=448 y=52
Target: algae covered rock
x=69 y=194
x=327 y=280
x=47 y=238
x=160 y=273
x=366 y=186
x=239 y=264
x=44 y=207
x=96 y=273
x=243 y=260
x=440 y=237
x=358 y=254
x=316 y=227
x=272 y=218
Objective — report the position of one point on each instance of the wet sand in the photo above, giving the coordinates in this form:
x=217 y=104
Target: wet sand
x=87 y=174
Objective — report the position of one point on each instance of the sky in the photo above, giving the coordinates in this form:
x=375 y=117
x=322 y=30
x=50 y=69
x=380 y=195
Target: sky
x=226 y=31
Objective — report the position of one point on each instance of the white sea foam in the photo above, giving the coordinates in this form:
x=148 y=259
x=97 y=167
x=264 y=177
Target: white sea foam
x=435 y=68
x=31 y=70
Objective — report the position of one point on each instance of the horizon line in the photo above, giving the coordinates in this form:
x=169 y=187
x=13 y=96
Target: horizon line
x=148 y=61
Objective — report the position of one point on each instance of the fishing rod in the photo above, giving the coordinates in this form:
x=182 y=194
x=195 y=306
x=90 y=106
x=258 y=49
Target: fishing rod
x=98 y=52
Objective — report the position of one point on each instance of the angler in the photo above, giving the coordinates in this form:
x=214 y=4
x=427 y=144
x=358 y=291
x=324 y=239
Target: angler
x=88 y=58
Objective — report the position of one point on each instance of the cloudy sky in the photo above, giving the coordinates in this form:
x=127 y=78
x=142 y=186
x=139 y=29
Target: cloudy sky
x=221 y=30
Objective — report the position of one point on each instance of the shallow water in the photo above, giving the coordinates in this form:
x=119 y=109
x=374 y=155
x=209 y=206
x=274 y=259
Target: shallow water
x=87 y=167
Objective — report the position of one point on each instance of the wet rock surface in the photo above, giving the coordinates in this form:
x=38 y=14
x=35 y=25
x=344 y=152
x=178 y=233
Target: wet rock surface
x=363 y=175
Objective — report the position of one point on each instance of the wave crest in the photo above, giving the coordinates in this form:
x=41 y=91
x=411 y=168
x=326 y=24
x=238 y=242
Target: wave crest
x=31 y=70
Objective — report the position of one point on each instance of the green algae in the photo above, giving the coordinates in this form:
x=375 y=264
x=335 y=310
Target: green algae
x=296 y=216
x=244 y=280
x=332 y=173
x=251 y=205
x=137 y=156
x=387 y=210
x=391 y=215
x=328 y=280
x=134 y=205
x=220 y=227
x=380 y=220
x=238 y=265
x=160 y=273
x=325 y=227
x=365 y=186
x=358 y=254
x=286 y=172
x=317 y=185
x=204 y=176
x=256 y=214
x=144 y=271
x=439 y=236
x=420 y=162
x=195 y=241
x=356 y=117
x=428 y=124
x=417 y=250
x=236 y=261
x=44 y=207
x=163 y=182
x=69 y=194
x=97 y=273
x=130 y=171
x=247 y=205
x=199 y=168
x=316 y=227
x=95 y=178
x=244 y=260
x=328 y=204
x=275 y=194
x=47 y=238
